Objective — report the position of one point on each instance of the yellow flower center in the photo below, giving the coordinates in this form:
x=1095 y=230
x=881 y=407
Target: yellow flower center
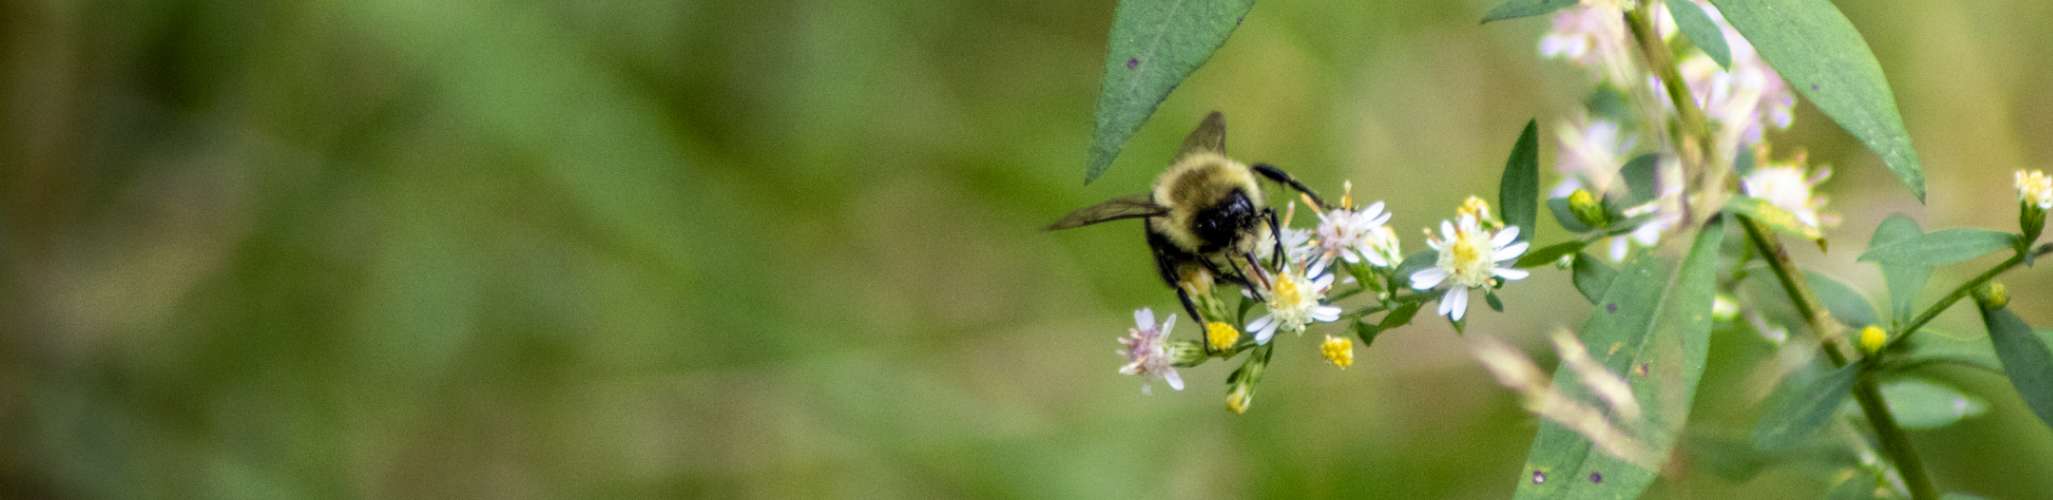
x=1476 y=207
x=1337 y=350
x=1221 y=335
x=1467 y=258
x=1873 y=339
x=1286 y=291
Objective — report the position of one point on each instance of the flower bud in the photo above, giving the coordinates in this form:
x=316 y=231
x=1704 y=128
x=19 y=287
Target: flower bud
x=1238 y=400
x=1337 y=350
x=2034 y=197
x=1724 y=308
x=1872 y=339
x=1992 y=296
x=1587 y=209
x=1185 y=352
x=1221 y=335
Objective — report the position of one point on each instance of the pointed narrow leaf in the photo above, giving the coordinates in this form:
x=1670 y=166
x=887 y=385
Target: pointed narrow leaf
x=1775 y=217
x=1154 y=46
x=1812 y=45
x=1518 y=193
x=1651 y=327
x=1800 y=407
x=1592 y=277
x=1513 y=9
x=1904 y=280
x=2025 y=358
x=1924 y=404
x=1939 y=248
x=1701 y=30
x=1548 y=254
x=1846 y=304
x=1641 y=178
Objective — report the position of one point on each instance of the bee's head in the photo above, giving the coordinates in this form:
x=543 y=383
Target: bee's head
x=1221 y=223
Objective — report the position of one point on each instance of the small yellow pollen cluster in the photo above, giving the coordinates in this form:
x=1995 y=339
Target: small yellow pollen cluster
x=2035 y=188
x=1286 y=290
x=1476 y=207
x=1873 y=338
x=1221 y=335
x=1347 y=195
x=1238 y=400
x=1338 y=350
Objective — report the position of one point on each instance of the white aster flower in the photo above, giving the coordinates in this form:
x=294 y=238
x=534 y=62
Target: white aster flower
x=2035 y=188
x=1299 y=245
x=1295 y=297
x=1355 y=235
x=1146 y=350
x=1742 y=101
x=1470 y=256
x=1791 y=187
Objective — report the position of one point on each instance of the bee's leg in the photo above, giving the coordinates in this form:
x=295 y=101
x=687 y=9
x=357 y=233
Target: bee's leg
x=1278 y=175
x=1275 y=231
x=1255 y=264
x=1189 y=306
x=1236 y=278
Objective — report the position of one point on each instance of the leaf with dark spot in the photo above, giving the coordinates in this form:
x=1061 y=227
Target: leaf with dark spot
x=1154 y=46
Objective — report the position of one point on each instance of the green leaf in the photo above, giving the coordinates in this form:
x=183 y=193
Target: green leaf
x=1654 y=331
x=1412 y=264
x=1566 y=216
x=1939 y=248
x=2025 y=358
x=1935 y=346
x=1513 y=9
x=1154 y=46
x=1640 y=178
x=1496 y=304
x=1592 y=277
x=1701 y=30
x=1548 y=254
x=1820 y=53
x=1518 y=193
x=1775 y=217
x=1846 y=304
x=1904 y=280
x=1918 y=403
x=1799 y=408
x=1859 y=484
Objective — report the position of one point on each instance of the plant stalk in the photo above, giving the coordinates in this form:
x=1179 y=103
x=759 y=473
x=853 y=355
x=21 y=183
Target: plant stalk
x=1695 y=146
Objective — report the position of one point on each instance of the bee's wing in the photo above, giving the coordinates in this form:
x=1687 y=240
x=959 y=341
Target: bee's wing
x=1210 y=137
x=1124 y=207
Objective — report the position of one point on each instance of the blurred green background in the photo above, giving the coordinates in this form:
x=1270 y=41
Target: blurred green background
x=620 y=248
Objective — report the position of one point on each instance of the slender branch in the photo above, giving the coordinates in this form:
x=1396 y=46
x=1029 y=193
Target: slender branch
x=1695 y=149
x=1963 y=290
x=1894 y=442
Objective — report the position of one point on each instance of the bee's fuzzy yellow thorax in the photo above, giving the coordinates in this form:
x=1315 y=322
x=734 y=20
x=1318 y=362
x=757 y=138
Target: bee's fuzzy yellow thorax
x=1196 y=181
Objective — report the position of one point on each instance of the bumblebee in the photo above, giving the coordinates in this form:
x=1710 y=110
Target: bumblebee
x=1206 y=218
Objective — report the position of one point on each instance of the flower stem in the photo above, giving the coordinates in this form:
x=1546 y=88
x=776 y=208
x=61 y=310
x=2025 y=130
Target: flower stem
x=1894 y=442
x=1963 y=290
x=1694 y=143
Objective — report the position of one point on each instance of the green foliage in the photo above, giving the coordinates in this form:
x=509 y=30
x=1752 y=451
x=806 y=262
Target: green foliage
x=1820 y=53
x=1592 y=277
x=1774 y=217
x=1513 y=9
x=1701 y=30
x=1846 y=304
x=1154 y=46
x=1940 y=247
x=1640 y=179
x=1904 y=280
x=1518 y=192
x=1655 y=330
x=1799 y=408
x=1934 y=346
x=1547 y=255
x=1920 y=403
x=1565 y=215
x=2026 y=359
